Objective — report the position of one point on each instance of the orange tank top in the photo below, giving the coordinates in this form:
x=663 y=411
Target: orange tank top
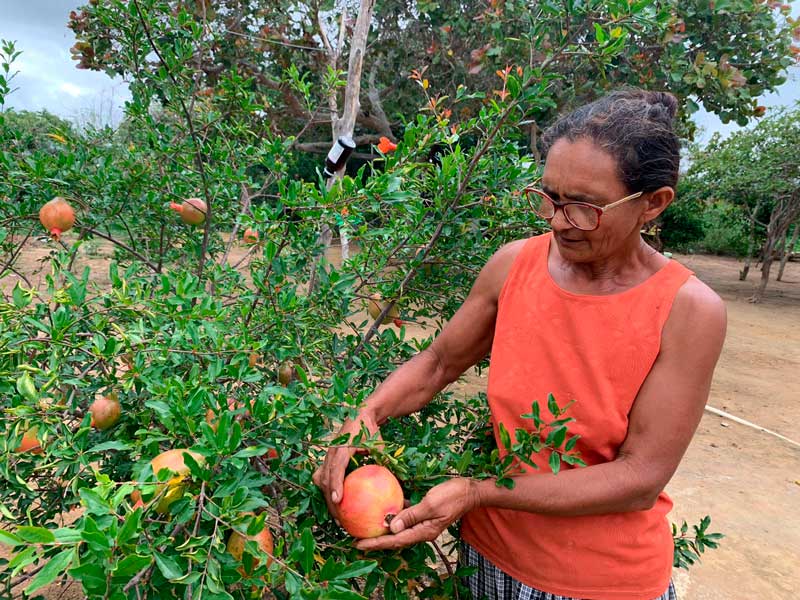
x=596 y=350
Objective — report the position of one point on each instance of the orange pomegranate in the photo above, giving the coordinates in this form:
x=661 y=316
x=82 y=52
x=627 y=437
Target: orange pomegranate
x=192 y=210
x=30 y=442
x=136 y=496
x=250 y=236
x=264 y=540
x=371 y=494
x=57 y=216
x=172 y=489
x=105 y=412
x=233 y=404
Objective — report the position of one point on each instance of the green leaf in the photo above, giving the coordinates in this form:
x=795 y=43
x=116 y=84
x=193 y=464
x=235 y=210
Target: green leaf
x=571 y=442
x=357 y=568
x=20 y=297
x=54 y=567
x=168 y=566
x=555 y=462
x=558 y=436
x=505 y=438
x=130 y=527
x=9 y=539
x=131 y=564
x=26 y=387
x=309 y=547
x=35 y=535
x=95 y=504
x=552 y=405
x=113 y=445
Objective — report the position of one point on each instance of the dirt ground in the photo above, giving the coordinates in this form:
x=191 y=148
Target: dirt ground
x=747 y=480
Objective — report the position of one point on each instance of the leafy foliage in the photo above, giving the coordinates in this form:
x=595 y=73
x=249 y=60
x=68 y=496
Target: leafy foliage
x=689 y=548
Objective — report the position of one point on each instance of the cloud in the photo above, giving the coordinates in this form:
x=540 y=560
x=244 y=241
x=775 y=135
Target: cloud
x=72 y=89
x=48 y=79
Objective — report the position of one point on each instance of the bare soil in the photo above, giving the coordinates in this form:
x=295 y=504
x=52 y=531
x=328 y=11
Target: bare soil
x=747 y=480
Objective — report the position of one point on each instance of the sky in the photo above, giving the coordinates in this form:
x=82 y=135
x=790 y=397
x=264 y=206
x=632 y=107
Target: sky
x=49 y=80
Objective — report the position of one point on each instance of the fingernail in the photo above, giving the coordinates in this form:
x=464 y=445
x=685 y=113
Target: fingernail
x=396 y=526
x=335 y=496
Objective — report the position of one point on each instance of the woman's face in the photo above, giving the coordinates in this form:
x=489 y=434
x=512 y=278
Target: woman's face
x=582 y=171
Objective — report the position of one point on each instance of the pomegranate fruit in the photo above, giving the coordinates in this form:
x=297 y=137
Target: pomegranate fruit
x=250 y=236
x=172 y=489
x=105 y=412
x=30 y=442
x=286 y=373
x=264 y=540
x=192 y=211
x=57 y=216
x=136 y=496
x=371 y=494
x=233 y=404
x=375 y=306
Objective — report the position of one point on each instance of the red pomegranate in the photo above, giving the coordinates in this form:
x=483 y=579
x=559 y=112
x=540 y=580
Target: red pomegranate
x=105 y=412
x=192 y=211
x=370 y=495
x=57 y=216
x=250 y=236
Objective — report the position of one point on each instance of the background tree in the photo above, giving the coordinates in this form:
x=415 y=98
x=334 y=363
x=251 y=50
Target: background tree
x=757 y=169
x=720 y=55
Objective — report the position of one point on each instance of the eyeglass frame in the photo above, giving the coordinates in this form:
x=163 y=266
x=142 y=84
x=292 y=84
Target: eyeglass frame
x=600 y=210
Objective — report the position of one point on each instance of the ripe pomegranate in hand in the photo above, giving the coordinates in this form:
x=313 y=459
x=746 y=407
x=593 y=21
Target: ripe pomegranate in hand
x=371 y=494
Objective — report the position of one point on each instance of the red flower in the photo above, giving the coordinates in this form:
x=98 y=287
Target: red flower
x=386 y=145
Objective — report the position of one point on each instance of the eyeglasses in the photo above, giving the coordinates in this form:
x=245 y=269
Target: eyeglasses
x=581 y=215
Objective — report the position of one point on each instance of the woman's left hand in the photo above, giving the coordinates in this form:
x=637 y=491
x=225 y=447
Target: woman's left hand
x=442 y=506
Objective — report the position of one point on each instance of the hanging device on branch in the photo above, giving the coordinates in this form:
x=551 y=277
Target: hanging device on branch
x=338 y=155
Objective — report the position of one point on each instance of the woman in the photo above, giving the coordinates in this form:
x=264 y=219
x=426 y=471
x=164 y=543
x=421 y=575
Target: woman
x=588 y=312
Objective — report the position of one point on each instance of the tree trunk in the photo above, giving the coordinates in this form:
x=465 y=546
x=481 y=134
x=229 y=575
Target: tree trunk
x=751 y=240
x=783 y=215
x=787 y=251
x=345 y=123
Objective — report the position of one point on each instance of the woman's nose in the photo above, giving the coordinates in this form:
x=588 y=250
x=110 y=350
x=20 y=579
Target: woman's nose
x=559 y=221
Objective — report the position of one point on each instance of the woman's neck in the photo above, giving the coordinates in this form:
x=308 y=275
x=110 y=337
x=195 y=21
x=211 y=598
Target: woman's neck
x=625 y=268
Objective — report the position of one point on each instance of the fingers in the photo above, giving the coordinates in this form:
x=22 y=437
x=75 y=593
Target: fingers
x=424 y=532
x=408 y=518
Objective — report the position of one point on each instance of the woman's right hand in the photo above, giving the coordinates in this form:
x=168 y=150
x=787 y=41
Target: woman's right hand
x=330 y=476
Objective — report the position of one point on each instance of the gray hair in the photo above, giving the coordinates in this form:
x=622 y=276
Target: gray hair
x=635 y=127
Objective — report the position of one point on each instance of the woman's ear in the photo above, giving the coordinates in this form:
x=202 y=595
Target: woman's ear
x=657 y=202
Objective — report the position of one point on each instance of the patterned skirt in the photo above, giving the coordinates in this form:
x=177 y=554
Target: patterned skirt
x=490 y=583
